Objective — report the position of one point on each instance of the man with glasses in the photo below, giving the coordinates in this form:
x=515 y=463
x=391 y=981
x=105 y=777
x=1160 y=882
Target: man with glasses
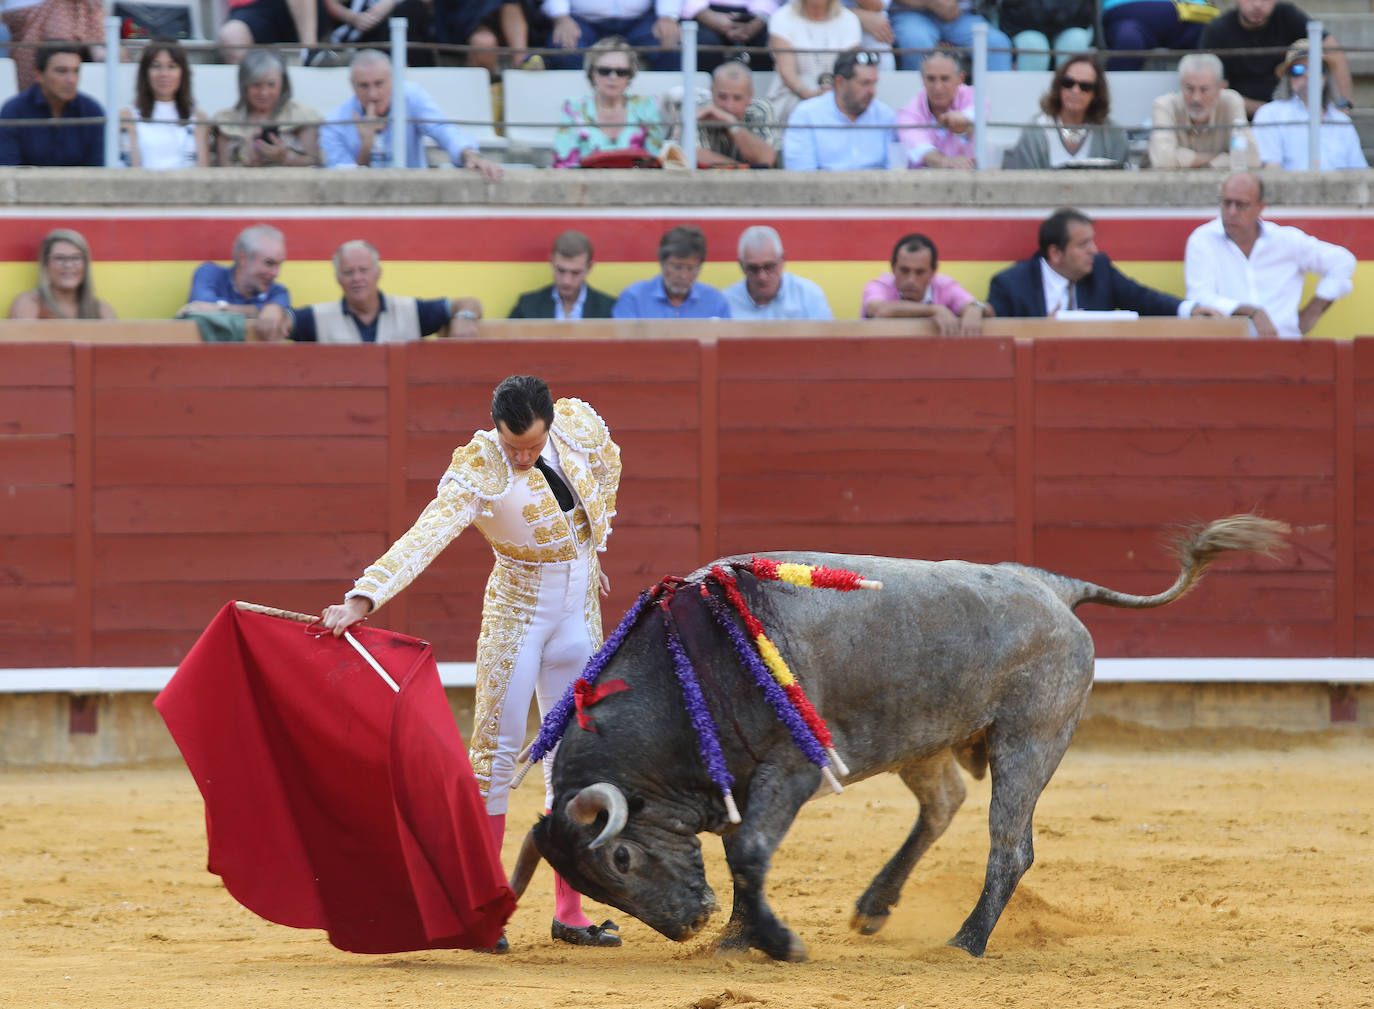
x=767 y=290
x=1281 y=128
x=914 y=290
x=675 y=293
x=845 y=128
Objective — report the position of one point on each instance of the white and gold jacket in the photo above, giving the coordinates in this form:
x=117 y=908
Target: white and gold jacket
x=516 y=511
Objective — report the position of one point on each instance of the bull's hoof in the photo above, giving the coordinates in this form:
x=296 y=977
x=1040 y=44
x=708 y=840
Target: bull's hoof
x=868 y=924
x=973 y=945
x=735 y=941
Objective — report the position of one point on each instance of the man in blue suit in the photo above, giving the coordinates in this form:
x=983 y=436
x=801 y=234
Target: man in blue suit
x=1070 y=273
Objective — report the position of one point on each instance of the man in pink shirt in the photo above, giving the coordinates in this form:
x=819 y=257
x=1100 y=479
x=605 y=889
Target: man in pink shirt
x=936 y=127
x=913 y=290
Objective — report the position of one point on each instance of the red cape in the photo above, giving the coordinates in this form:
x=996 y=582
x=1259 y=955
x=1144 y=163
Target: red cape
x=331 y=801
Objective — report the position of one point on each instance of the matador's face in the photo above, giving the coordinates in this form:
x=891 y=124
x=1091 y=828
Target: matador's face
x=524 y=448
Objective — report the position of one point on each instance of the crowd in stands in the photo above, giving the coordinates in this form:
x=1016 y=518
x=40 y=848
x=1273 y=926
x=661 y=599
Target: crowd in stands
x=1236 y=264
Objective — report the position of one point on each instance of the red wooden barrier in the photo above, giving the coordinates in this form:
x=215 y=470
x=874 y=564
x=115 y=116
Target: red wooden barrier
x=144 y=486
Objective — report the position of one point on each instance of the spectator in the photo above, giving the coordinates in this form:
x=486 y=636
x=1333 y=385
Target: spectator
x=921 y=25
x=1139 y=25
x=1038 y=26
x=266 y=128
x=487 y=25
x=1281 y=126
x=806 y=36
x=249 y=284
x=1247 y=266
x=267 y=22
x=767 y=290
x=936 y=127
x=1267 y=26
x=358 y=133
x=735 y=128
x=646 y=24
x=1069 y=273
x=675 y=293
x=53 y=96
x=1191 y=127
x=80 y=23
x=877 y=30
x=738 y=25
x=811 y=142
x=164 y=129
x=65 y=289
x=608 y=119
x=368 y=22
x=365 y=315
x=914 y=290
x=1073 y=124
x=569 y=296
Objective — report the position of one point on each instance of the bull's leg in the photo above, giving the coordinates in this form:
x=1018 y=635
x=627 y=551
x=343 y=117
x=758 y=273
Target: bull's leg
x=937 y=786
x=775 y=795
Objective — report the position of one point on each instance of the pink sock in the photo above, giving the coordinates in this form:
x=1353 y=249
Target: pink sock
x=496 y=823
x=567 y=904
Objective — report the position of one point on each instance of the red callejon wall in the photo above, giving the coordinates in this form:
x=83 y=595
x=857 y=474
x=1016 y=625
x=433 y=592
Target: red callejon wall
x=145 y=486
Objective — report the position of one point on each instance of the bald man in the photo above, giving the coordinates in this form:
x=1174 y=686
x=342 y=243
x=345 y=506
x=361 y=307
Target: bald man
x=734 y=129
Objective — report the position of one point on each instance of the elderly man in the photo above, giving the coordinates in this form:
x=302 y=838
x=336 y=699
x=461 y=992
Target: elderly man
x=247 y=285
x=735 y=128
x=358 y=133
x=913 y=290
x=812 y=142
x=1266 y=26
x=54 y=96
x=643 y=23
x=767 y=290
x=1251 y=267
x=569 y=296
x=675 y=293
x=1191 y=127
x=936 y=127
x=1068 y=272
x=365 y=315
x=1281 y=127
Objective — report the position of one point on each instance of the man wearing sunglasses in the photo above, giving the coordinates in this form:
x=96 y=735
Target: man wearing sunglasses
x=846 y=128
x=1281 y=125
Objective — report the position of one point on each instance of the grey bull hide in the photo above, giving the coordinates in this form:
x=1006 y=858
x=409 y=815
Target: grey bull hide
x=950 y=663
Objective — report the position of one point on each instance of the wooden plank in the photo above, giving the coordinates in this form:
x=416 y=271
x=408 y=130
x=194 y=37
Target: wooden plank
x=131 y=559
x=1187 y=451
x=89 y=331
x=397 y=521
x=644 y=454
x=708 y=486
x=1183 y=405
x=30 y=511
x=264 y=508
x=35 y=411
x=34 y=364
x=1211 y=638
x=190 y=606
x=38 y=648
x=1025 y=513
x=639 y=406
x=895 y=497
x=1364 y=447
x=862 y=451
x=36 y=560
x=791 y=406
x=246 y=366
x=1076 y=549
x=1151 y=500
x=36 y=459
x=142 y=647
x=29 y=608
x=1279 y=361
x=1344 y=445
x=983 y=543
x=301 y=411
x=565 y=359
x=859 y=359
x=231 y=460
x=83 y=446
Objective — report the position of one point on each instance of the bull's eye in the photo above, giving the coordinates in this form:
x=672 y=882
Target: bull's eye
x=622 y=858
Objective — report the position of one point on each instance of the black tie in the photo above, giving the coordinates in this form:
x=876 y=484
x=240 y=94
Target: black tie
x=556 y=484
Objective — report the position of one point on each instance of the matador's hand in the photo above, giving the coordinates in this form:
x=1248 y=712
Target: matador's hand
x=605 y=584
x=339 y=618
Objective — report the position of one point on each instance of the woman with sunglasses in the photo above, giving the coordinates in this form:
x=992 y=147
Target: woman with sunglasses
x=1072 y=125
x=608 y=119
x=64 y=290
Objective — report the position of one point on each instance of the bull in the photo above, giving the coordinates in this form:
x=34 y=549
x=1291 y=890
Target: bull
x=952 y=663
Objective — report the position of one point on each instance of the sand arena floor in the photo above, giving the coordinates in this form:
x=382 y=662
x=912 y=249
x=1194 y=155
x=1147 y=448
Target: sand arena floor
x=1170 y=871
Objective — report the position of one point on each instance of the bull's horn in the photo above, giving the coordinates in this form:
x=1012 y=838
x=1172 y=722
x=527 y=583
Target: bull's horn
x=583 y=807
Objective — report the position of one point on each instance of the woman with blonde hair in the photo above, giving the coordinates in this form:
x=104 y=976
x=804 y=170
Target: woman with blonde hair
x=65 y=289
x=806 y=36
x=608 y=119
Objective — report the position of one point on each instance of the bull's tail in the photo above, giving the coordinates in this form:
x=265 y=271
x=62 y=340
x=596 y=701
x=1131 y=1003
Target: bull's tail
x=1196 y=547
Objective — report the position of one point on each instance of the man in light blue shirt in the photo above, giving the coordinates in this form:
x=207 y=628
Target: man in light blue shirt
x=347 y=140
x=768 y=291
x=675 y=293
x=845 y=128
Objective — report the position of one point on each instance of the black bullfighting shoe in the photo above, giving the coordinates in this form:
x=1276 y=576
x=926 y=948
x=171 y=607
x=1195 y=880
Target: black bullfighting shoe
x=606 y=934
x=502 y=946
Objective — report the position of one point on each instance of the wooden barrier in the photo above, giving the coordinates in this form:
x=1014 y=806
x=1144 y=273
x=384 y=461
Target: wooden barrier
x=147 y=485
x=98 y=331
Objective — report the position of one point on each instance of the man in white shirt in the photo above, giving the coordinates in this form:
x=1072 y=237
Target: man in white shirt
x=767 y=290
x=1281 y=126
x=843 y=129
x=1246 y=266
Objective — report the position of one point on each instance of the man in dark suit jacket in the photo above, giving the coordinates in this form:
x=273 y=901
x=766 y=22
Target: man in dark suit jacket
x=569 y=296
x=1069 y=273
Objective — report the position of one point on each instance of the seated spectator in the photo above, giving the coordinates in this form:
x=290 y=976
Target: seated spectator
x=645 y=24
x=365 y=315
x=249 y=283
x=266 y=128
x=368 y=22
x=53 y=96
x=608 y=119
x=1137 y=26
x=1073 y=124
x=735 y=128
x=65 y=289
x=740 y=25
x=1281 y=130
x=267 y=22
x=1040 y=28
x=921 y=25
x=811 y=143
x=1254 y=268
x=1191 y=127
x=936 y=127
x=1266 y=26
x=569 y=296
x=767 y=290
x=675 y=293
x=78 y=22
x=164 y=129
x=488 y=25
x=913 y=290
x=358 y=133
x=806 y=36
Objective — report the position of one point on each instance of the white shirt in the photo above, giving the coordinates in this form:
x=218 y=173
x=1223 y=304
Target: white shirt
x=606 y=10
x=1220 y=275
x=1281 y=136
x=1056 y=287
